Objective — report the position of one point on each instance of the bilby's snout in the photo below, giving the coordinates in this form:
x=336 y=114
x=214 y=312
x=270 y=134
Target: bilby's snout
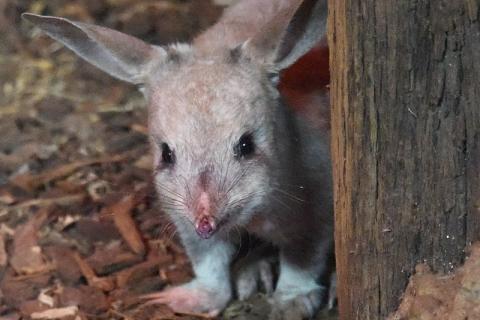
x=204 y=208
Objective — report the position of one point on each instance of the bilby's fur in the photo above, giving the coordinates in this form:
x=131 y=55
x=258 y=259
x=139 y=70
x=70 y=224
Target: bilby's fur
x=202 y=99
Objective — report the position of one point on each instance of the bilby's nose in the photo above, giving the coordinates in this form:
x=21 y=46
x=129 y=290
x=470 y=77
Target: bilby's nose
x=205 y=227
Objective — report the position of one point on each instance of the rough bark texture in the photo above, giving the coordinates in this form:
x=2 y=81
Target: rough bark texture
x=406 y=143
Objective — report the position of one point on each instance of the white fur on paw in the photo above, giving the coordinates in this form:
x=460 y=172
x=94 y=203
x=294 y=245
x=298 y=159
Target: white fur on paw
x=266 y=276
x=191 y=298
x=332 y=291
x=250 y=277
x=302 y=306
x=246 y=283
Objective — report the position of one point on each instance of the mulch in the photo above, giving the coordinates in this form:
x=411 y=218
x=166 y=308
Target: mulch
x=81 y=235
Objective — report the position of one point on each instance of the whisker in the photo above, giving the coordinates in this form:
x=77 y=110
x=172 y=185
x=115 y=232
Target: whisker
x=238 y=178
x=280 y=202
x=289 y=195
x=225 y=176
x=186 y=186
x=244 y=198
x=170 y=191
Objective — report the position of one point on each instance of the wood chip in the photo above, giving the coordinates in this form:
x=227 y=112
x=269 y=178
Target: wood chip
x=112 y=257
x=131 y=275
x=26 y=257
x=66 y=266
x=12 y=316
x=96 y=230
x=125 y=224
x=178 y=276
x=31 y=306
x=46 y=202
x=89 y=299
x=44 y=298
x=56 y=313
x=145 y=162
x=16 y=291
x=104 y=283
x=6 y=197
x=30 y=182
x=3 y=252
x=139 y=128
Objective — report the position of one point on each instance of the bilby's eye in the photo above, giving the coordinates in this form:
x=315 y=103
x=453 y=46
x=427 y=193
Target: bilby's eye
x=168 y=157
x=245 y=146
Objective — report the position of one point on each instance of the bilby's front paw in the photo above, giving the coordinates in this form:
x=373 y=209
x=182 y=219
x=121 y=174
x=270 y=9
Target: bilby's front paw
x=296 y=306
x=193 y=297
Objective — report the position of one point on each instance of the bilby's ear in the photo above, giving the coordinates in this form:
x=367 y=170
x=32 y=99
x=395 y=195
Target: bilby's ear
x=291 y=34
x=120 y=55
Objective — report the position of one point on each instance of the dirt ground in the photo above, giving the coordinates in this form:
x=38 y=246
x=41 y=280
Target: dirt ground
x=80 y=233
x=454 y=296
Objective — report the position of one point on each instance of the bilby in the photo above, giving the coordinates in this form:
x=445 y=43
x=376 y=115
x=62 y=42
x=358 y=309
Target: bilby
x=228 y=154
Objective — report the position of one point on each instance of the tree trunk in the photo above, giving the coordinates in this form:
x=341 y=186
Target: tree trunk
x=405 y=143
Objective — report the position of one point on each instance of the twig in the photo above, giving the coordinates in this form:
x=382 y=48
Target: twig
x=30 y=182
x=46 y=202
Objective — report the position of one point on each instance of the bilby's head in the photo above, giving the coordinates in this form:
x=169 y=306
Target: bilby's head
x=214 y=121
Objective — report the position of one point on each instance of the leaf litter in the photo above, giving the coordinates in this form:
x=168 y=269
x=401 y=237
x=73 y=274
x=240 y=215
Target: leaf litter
x=80 y=233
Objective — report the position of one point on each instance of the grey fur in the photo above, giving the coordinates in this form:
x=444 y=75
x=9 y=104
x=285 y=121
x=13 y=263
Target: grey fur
x=201 y=101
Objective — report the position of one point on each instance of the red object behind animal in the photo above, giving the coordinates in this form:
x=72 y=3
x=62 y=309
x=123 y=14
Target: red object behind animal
x=305 y=85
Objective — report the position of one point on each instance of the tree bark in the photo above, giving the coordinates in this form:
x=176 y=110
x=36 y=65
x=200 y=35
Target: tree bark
x=405 y=96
